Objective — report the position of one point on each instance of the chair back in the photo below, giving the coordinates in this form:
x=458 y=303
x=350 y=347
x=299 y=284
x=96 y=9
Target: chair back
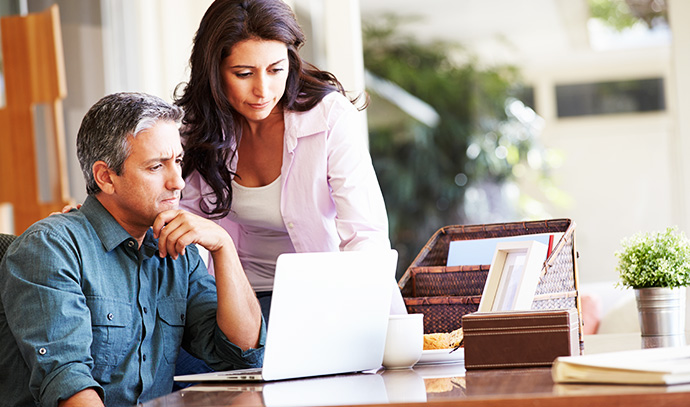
x=5 y=241
x=33 y=165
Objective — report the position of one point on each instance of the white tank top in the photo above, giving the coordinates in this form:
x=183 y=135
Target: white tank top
x=263 y=235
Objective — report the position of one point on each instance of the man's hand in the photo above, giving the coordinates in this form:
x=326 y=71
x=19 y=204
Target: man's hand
x=176 y=229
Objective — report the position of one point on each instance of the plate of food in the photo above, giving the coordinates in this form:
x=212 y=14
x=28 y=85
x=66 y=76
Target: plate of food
x=443 y=348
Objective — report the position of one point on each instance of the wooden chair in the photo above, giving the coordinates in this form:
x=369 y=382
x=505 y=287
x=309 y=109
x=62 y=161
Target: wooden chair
x=34 y=85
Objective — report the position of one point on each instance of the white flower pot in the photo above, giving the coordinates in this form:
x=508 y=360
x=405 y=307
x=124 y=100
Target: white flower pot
x=661 y=312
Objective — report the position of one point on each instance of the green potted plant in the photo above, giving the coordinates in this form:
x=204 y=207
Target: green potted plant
x=657 y=266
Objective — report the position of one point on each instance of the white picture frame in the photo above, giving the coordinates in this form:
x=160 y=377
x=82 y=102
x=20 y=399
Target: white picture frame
x=513 y=276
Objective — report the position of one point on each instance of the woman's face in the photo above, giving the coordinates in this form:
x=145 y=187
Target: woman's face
x=254 y=77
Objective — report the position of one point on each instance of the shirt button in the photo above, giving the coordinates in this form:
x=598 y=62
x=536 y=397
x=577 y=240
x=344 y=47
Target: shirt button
x=110 y=316
x=146 y=310
x=181 y=317
x=130 y=243
x=291 y=225
x=144 y=358
x=42 y=351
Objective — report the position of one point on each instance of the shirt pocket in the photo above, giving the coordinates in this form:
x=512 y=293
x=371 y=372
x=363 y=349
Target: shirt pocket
x=111 y=322
x=172 y=313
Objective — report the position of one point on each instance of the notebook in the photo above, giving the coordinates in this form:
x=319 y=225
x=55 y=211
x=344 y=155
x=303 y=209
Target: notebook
x=329 y=315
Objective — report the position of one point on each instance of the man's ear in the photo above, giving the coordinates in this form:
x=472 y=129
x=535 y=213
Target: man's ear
x=103 y=176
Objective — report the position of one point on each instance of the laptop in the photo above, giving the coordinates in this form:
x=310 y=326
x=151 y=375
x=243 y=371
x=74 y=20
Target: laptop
x=329 y=315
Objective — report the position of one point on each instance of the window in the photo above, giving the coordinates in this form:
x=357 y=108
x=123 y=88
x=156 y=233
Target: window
x=641 y=95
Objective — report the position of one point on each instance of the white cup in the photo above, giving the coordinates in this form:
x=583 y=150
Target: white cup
x=404 y=341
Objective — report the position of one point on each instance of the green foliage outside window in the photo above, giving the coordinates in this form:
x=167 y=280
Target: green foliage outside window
x=482 y=142
x=623 y=14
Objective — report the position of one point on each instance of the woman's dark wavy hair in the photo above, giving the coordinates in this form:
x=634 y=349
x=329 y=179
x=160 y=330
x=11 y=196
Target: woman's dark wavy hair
x=211 y=126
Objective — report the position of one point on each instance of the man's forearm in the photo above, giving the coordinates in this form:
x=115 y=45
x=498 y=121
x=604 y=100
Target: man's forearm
x=84 y=398
x=239 y=313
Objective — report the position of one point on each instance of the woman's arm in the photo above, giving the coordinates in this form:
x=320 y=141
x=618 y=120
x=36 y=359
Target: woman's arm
x=361 y=217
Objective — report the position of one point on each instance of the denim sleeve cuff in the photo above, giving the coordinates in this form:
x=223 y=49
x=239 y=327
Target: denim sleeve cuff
x=238 y=358
x=67 y=383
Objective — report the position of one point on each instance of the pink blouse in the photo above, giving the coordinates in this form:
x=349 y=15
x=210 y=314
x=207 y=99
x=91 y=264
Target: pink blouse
x=330 y=197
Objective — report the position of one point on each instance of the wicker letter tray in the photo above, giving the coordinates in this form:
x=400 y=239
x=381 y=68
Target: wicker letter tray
x=444 y=294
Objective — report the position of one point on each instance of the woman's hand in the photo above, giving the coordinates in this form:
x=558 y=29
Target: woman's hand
x=66 y=209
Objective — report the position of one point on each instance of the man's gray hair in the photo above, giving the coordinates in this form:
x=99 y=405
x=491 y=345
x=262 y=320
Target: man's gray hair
x=106 y=126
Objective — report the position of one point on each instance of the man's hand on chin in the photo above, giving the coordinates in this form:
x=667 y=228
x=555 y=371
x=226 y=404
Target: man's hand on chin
x=176 y=229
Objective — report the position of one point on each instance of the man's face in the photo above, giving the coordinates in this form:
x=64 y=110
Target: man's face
x=151 y=180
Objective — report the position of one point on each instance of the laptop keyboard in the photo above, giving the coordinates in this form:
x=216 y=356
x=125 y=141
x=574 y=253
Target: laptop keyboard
x=252 y=370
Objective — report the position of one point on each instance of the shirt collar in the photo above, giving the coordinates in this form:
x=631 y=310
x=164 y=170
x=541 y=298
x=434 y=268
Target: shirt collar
x=305 y=123
x=302 y=124
x=111 y=233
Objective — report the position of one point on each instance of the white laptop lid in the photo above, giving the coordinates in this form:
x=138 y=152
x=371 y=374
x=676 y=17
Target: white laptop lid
x=329 y=313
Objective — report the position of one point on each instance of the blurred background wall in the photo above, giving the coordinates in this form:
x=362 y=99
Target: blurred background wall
x=614 y=168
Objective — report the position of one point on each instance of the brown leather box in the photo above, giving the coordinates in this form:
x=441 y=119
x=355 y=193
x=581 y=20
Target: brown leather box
x=495 y=340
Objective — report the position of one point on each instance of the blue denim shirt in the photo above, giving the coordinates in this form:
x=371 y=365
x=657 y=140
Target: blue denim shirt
x=83 y=307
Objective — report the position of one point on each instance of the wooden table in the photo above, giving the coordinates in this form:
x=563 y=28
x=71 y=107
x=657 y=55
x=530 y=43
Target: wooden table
x=438 y=385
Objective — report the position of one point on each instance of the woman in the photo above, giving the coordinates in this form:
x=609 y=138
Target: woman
x=273 y=151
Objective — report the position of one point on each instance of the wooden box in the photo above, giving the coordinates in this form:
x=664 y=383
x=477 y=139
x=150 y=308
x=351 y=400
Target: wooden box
x=495 y=340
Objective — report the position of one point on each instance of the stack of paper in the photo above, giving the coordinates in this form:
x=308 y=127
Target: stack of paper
x=481 y=251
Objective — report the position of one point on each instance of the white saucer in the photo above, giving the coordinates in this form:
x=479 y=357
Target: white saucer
x=435 y=356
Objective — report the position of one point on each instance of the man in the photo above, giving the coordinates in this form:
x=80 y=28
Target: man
x=96 y=302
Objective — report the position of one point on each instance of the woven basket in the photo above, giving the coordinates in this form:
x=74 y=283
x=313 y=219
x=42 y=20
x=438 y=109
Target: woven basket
x=444 y=294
